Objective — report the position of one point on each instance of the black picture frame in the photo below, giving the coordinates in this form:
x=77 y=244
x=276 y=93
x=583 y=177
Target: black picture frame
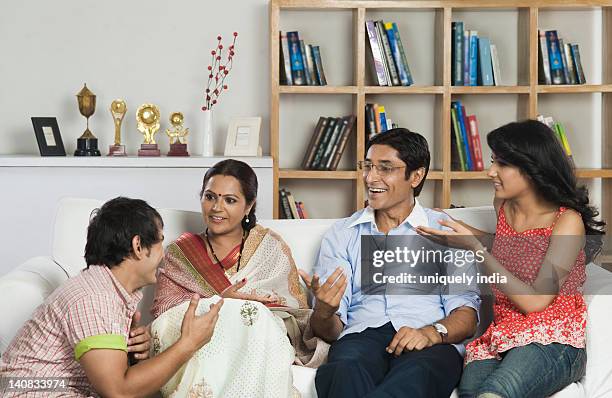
x=49 y=141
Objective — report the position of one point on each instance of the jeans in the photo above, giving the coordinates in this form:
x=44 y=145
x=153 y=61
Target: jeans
x=358 y=366
x=531 y=371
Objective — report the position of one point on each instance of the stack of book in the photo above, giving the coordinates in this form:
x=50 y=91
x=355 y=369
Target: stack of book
x=389 y=63
x=559 y=130
x=289 y=208
x=300 y=64
x=328 y=142
x=377 y=120
x=559 y=62
x=466 y=149
x=474 y=59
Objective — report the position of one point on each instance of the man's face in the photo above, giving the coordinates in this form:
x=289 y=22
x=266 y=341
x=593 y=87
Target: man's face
x=386 y=184
x=152 y=259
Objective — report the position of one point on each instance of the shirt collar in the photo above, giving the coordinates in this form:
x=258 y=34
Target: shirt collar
x=416 y=217
x=131 y=300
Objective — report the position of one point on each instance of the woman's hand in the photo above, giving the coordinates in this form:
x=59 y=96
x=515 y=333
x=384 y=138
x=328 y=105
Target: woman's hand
x=233 y=292
x=459 y=235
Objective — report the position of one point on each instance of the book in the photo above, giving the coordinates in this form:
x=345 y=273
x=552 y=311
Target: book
x=566 y=76
x=331 y=124
x=304 y=212
x=383 y=119
x=395 y=52
x=380 y=25
x=377 y=64
x=468 y=139
x=383 y=56
x=464 y=136
x=560 y=130
x=298 y=205
x=329 y=147
x=377 y=118
x=455 y=159
x=305 y=63
x=295 y=54
x=473 y=57
x=554 y=57
x=284 y=205
x=476 y=144
x=485 y=70
x=543 y=62
x=344 y=137
x=370 y=122
x=285 y=61
x=312 y=70
x=571 y=69
x=457 y=54
x=458 y=139
x=578 y=64
x=466 y=57
x=402 y=54
x=495 y=64
x=316 y=54
x=314 y=142
x=292 y=206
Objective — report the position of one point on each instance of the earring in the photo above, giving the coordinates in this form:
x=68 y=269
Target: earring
x=246 y=219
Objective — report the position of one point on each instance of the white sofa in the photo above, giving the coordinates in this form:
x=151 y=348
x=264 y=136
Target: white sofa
x=24 y=288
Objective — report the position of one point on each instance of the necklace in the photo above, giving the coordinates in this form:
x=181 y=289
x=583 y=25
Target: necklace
x=215 y=256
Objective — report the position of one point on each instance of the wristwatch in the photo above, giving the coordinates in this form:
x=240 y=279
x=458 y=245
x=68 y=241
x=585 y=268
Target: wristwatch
x=441 y=329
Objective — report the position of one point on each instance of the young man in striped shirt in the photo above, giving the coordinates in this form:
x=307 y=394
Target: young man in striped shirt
x=80 y=335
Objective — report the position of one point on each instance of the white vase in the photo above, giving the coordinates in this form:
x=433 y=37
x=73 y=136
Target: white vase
x=207 y=134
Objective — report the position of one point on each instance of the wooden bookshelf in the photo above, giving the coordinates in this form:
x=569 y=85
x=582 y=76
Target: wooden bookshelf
x=530 y=96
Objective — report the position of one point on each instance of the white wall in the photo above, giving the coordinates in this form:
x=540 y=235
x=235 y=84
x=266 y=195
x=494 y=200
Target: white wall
x=155 y=51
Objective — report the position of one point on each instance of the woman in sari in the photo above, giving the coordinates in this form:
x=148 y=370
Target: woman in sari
x=251 y=267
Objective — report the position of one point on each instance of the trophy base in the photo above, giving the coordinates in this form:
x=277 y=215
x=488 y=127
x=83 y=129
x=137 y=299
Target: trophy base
x=178 y=150
x=116 y=150
x=87 y=147
x=149 y=150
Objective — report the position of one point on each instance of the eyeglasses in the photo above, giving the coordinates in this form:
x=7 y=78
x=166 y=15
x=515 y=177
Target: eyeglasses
x=382 y=169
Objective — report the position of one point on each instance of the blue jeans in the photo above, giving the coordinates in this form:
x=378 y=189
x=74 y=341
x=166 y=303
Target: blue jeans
x=534 y=370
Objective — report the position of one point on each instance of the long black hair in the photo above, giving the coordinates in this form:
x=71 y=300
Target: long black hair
x=534 y=149
x=248 y=184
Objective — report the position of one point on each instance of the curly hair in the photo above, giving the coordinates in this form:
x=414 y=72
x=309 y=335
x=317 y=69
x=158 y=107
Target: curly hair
x=534 y=149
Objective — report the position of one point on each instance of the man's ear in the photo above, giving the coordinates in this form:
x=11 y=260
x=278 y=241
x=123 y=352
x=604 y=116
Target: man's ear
x=136 y=247
x=417 y=176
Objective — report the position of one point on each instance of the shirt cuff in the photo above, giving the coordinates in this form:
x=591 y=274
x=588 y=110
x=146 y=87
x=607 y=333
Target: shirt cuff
x=452 y=303
x=104 y=341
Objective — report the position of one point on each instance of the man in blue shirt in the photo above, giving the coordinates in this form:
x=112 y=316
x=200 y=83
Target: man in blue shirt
x=386 y=345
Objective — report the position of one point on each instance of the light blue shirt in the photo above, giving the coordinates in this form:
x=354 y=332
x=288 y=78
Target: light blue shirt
x=341 y=246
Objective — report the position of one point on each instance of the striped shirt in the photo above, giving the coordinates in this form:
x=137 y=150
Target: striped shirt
x=89 y=311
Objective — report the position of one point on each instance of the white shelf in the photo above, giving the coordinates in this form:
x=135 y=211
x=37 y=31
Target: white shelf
x=126 y=162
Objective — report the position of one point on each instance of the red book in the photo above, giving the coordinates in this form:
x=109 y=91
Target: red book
x=475 y=143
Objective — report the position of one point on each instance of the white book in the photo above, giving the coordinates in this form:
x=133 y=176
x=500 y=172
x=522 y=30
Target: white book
x=495 y=63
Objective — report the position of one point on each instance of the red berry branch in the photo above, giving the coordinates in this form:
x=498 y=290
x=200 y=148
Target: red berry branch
x=217 y=72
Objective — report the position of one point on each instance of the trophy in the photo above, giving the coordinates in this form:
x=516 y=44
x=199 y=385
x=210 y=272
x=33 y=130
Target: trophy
x=87 y=143
x=118 y=109
x=177 y=135
x=147 y=117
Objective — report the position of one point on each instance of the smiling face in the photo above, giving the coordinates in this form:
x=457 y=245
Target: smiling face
x=223 y=205
x=150 y=259
x=507 y=179
x=389 y=189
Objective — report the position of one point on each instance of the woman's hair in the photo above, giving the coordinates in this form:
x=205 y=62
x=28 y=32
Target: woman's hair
x=534 y=149
x=248 y=184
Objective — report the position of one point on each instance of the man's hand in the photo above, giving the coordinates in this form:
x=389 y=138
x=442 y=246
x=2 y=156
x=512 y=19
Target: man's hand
x=409 y=339
x=329 y=294
x=232 y=292
x=196 y=331
x=140 y=339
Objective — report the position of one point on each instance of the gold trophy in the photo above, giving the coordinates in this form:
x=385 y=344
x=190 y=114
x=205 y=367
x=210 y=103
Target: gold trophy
x=87 y=143
x=177 y=135
x=118 y=109
x=148 y=117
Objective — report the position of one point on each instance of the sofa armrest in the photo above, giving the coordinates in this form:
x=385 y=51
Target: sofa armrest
x=22 y=290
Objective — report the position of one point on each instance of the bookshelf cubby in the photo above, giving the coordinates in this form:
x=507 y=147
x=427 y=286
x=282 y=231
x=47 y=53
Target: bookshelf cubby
x=425 y=27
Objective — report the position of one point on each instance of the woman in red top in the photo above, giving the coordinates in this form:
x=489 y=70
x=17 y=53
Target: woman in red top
x=546 y=232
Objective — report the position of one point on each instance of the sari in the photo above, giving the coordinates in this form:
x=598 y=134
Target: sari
x=247 y=355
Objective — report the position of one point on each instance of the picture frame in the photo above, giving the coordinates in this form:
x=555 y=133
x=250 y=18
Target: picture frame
x=243 y=137
x=48 y=136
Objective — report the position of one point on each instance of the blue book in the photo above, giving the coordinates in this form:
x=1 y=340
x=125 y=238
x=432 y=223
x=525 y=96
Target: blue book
x=464 y=135
x=318 y=63
x=295 y=55
x=473 y=58
x=395 y=52
x=486 y=68
x=466 y=58
x=554 y=57
x=400 y=46
x=383 y=119
x=457 y=54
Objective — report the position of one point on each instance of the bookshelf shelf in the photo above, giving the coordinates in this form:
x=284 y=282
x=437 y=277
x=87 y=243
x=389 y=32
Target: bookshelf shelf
x=512 y=24
x=318 y=174
x=318 y=89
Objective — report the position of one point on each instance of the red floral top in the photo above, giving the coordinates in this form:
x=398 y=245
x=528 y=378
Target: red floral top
x=563 y=321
